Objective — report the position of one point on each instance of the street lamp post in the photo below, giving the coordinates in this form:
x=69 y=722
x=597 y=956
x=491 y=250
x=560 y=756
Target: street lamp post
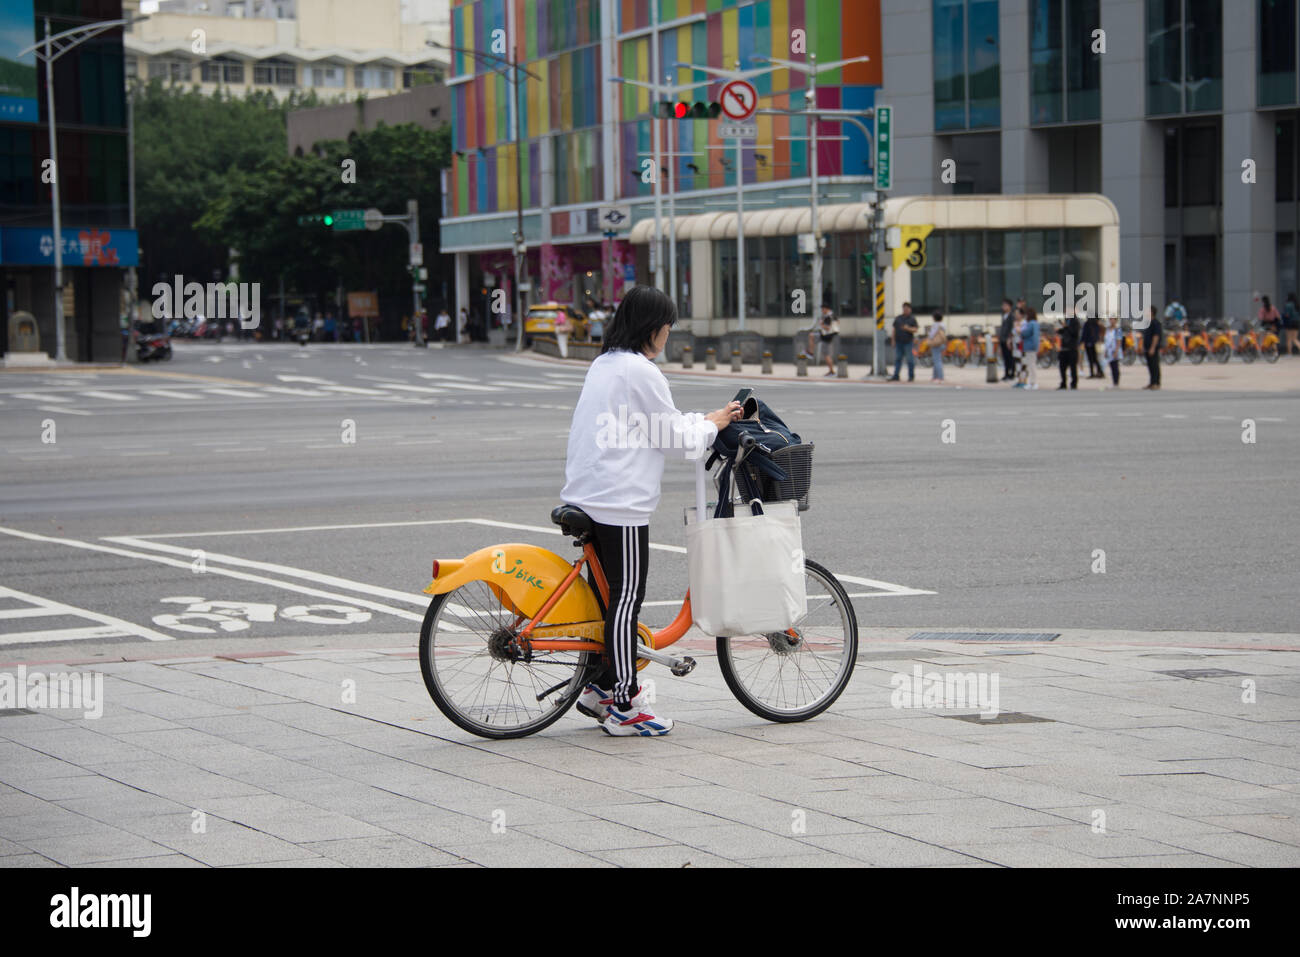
x=49 y=50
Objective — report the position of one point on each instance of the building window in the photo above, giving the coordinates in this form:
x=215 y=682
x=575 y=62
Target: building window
x=1184 y=56
x=1277 y=52
x=967 y=82
x=132 y=67
x=177 y=71
x=1198 y=164
x=1065 y=77
x=724 y=277
x=221 y=70
x=328 y=75
x=969 y=272
x=275 y=73
x=1285 y=191
x=373 y=78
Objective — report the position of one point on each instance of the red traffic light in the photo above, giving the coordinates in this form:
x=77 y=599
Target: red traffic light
x=681 y=110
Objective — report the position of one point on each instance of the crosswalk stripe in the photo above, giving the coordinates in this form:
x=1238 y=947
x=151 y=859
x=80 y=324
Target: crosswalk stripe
x=115 y=396
x=417 y=388
x=237 y=393
x=353 y=390
x=41 y=397
x=286 y=390
x=470 y=386
x=169 y=394
x=444 y=375
x=541 y=387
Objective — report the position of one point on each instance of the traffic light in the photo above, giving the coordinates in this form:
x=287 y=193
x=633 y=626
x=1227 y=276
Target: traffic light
x=868 y=266
x=667 y=110
x=317 y=219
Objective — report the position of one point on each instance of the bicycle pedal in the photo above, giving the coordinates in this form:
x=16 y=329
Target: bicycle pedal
x=684 y=668
x=583 y=709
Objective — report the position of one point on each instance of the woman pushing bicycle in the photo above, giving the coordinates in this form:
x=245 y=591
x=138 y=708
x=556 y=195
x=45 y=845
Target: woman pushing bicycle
x=624 y=425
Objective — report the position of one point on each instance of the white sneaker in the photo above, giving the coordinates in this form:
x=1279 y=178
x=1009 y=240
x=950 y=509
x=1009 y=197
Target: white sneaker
x=594 y=701
x=637 y=720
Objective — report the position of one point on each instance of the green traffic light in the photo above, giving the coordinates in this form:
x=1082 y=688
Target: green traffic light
x=329 y=220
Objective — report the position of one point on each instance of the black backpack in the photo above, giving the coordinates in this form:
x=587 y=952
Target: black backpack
x=772 y=435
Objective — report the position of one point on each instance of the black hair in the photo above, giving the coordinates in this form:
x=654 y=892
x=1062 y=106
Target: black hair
x=938 y=316
x=642 y=313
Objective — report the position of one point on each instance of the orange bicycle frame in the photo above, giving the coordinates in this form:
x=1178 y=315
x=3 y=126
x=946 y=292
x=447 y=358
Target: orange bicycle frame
x=659 y=639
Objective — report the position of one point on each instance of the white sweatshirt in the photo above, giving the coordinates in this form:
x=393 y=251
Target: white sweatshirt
x=623 y=426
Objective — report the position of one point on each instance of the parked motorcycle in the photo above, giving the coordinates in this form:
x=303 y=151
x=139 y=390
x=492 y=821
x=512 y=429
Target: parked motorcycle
x=152 y=346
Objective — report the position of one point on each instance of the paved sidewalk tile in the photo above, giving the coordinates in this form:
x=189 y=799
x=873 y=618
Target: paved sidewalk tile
x=258 y=763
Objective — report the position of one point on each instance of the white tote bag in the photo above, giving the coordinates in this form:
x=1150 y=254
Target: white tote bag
x=746 y=572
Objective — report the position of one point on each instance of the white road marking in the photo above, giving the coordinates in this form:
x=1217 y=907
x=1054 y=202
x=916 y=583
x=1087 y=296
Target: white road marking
x=470 y=386
x=115 y=396
x=353 y=390
x=287 y=390
x=418 y=388
x=63 y=409
x=539 y=386
x=444 y=375
x=109 y=627
x=211 y=570
x=169 y=394
x=332 y=581
x=40 y=397
x=237 y=393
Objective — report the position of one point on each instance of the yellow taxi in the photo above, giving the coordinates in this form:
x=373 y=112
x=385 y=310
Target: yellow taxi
x=543 y=317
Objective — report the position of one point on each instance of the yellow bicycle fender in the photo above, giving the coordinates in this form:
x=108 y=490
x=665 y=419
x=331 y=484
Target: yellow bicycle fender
x=522 y=577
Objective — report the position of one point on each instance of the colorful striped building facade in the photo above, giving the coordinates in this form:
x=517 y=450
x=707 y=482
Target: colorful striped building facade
x=586 y=139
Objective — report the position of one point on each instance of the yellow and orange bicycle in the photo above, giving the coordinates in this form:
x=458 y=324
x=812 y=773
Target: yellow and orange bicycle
x=514 y=631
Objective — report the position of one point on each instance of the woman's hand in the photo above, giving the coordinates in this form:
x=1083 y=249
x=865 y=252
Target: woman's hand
x=725 y=416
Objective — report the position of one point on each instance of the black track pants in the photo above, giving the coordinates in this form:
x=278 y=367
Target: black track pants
x=624 y=553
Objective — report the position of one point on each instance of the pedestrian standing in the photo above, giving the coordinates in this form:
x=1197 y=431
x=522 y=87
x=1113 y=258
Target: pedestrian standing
x=938 y=338
x=1290 y=322
x=1069 y=359
x=904 y=330
x=1113 y=349
x=1030 y=334
x=1270 y=318
x=828 y=334
x=442 y=325
x=1091 y=336
x=1005 y=340
x=1151 y=337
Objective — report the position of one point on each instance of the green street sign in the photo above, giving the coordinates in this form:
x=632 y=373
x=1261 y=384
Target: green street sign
x=345 y=219
x=884 y=143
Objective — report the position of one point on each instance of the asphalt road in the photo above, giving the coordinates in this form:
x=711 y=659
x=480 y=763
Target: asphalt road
x=227 y=476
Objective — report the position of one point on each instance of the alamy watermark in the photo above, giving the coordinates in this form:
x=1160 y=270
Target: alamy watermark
x=658 y=430
x=65 y=690
x=949 y=690
x=214 y=300
x=1127 y=301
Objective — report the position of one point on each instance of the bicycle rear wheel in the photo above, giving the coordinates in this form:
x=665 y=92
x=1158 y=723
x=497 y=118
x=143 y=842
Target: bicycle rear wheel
x=478 y=682
x=783 y=677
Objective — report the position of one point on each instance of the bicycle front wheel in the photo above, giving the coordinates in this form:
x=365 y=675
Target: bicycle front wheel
x=793 y=677
x=479 y=682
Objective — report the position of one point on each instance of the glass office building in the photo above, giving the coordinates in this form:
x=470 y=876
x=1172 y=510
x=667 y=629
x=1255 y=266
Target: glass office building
x=1181 y=112
x=587 y=141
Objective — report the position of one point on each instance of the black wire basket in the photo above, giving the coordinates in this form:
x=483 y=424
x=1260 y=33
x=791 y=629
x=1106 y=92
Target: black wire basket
x=796 y=462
